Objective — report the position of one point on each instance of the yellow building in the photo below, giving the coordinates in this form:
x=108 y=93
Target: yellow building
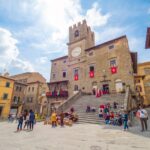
x=142 y=81
x=6 y=91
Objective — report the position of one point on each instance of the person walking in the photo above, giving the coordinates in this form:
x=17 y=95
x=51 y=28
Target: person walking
x=53 y=119
x=31 y=119
x=143 y=115
x=20 y=122
x=125 y=120
x=26 y=121
x=62 y=119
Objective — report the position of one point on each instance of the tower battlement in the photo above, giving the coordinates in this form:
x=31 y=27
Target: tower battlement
x=81 y=31
x=78 y=25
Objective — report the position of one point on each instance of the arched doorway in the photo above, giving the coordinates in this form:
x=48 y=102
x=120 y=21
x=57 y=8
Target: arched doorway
x=76 y=89
x=94 y=87
x=119 y=85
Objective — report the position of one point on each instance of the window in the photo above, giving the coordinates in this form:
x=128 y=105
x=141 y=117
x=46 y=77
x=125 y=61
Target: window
x=91 y=68
x=5 y=96
x=15 y=98
x=18 y=100
x=91 y=71
x=75 y=71
x=76 y=88
x=113 y=63
x=64 y=74
x=20 y=88
x=147 y=71
x=7 y=84
x=29 y=89
x=54 y=76
x=29 y=99
x=32 y=89
x=111 y=47
x=76 y=74
x=76 y=34
x=17 y=88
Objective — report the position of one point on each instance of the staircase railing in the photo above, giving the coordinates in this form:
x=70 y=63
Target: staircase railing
x=69 y=102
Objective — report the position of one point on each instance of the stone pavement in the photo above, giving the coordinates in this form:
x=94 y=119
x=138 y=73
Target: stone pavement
x=77 y=137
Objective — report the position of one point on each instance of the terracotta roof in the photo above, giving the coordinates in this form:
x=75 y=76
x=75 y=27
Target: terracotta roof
x=7 y=78
x=35 y=82
x=20 y=83
x=63 y=57
x=144 y=63
x=105 y=43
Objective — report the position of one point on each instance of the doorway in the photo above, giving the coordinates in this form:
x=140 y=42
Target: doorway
x=1 y=110
x=105 y=88
x=119 y=85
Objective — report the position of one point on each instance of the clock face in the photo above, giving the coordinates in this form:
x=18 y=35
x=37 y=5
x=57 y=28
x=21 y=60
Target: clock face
x=76 y=52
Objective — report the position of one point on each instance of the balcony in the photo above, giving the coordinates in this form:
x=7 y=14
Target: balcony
x=56 y=94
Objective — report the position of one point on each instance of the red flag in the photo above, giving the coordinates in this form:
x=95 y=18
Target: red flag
x=113 y=70
x=76 y=77
x=91 y=73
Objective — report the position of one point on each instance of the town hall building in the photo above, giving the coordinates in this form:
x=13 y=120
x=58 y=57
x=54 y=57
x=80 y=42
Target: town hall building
x=109 y=66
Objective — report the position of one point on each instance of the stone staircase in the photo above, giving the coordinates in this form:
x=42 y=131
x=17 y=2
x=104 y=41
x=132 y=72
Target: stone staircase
x=92 y=117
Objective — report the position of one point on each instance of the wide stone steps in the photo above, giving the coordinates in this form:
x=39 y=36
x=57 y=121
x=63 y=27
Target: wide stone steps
x=92 y=117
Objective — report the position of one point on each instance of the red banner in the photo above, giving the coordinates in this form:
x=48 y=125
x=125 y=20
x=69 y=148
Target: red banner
x=91 y=74
x=76 y=77
x=113 y=70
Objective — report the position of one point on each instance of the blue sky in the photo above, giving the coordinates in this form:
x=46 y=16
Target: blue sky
x=32 y=32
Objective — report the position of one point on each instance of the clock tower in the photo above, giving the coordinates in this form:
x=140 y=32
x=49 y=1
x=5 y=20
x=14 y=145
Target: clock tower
x=80 y=38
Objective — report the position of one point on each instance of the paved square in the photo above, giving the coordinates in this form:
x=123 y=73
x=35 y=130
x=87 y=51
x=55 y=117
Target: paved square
x=77 y=137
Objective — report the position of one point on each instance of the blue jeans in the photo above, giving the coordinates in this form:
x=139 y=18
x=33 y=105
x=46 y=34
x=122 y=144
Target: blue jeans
x=19 y=126
x=107 y=121
x=125 y=124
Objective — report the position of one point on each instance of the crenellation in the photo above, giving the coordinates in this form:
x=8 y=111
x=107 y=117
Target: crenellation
x=74 y=26
x=79 y=24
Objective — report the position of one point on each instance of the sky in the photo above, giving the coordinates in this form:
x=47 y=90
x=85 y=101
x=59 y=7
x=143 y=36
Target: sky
x=32 y=32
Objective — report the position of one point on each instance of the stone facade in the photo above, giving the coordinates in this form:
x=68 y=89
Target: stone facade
x=35 y=90
x=142 y=81
x=107 y=66
x=18 y=97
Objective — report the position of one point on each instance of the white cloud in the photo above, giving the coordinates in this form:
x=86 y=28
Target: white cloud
x=53 y=20
x=42 y=26
x=22 y=65
x=9 y=52
x=42 y=60
x=8 y=48
x=95 y=17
